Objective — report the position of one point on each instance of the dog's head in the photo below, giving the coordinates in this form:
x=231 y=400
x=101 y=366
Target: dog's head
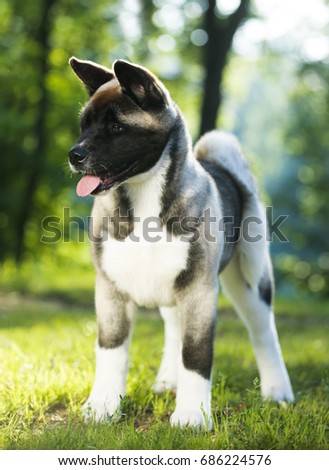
x=125 y=125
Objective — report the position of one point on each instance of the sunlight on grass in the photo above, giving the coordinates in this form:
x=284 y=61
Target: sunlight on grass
x=47 y=366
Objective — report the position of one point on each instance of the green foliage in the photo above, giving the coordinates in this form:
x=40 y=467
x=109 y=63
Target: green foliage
x=39 y=89
x=280 y=112
x=47 y=362
x=308 y=143
x=277 y=105
x=55 y=276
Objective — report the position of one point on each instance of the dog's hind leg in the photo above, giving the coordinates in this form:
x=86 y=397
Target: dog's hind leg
x=114 y=318
x=255 y=310
x=167 y=375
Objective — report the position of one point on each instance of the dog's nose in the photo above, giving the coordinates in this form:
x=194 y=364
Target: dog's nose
x=77 y=154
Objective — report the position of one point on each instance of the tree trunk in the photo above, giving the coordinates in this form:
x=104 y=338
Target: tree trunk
x=216 y=51
x=42 y=36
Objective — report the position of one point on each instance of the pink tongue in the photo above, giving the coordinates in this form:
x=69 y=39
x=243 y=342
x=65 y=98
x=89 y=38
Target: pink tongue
x=87 y=185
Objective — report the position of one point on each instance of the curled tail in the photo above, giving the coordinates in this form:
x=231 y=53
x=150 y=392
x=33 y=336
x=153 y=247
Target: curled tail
x=224 y=150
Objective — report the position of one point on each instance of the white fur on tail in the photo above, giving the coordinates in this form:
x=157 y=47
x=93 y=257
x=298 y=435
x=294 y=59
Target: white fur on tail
x=224 y=150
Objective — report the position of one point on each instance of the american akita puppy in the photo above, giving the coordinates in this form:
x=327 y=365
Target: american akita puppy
x=167 y=221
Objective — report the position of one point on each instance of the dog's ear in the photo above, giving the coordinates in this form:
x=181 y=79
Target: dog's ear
x=91 y=74
x=140 y=85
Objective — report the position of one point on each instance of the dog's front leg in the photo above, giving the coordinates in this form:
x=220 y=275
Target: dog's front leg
x=197 y=310
x=114 y=318
x=167 y=375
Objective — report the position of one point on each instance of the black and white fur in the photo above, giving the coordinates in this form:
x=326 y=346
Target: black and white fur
x=179 y=276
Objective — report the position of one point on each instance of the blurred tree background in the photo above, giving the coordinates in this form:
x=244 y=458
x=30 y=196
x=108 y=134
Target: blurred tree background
x=261 y=71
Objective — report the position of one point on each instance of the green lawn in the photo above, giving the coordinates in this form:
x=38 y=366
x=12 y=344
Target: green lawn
x=47 y=363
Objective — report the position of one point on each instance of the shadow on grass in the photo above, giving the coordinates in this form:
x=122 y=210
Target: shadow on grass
x=26 y=311
x=243 y=421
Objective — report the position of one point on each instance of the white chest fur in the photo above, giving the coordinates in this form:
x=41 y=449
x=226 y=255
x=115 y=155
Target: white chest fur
x=146 y=264
x=146 y=270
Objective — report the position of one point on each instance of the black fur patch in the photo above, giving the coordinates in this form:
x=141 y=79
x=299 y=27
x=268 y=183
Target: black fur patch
x=265 y=290
x=198 y=354
x=170 y=201
x=195 y=257
x=122 y=218
x=137 y=147
x=118 y=224
x=232 y=205
x=113 y=335
x=109 y=341
x=181 y=216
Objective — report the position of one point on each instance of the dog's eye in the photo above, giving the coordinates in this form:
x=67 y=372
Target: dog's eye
x=117 y=128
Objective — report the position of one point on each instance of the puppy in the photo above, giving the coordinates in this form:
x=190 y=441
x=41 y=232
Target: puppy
x=169 y=223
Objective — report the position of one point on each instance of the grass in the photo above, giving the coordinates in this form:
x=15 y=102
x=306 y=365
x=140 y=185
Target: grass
x=47 y=366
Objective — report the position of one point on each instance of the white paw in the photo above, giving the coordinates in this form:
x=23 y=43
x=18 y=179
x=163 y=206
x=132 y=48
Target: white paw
x=100 y=409
x=191 y=418
x=163 y=384
x=279 y=393
x=166 y=378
